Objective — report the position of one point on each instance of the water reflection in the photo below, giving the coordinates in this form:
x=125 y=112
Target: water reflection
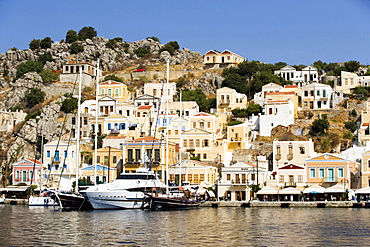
x=22 y=226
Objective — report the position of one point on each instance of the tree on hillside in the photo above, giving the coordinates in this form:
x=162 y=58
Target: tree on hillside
x=171 y=47
x=45 y=43
x=48 y=77
x=141 y=52
x=236 y=82
x=76 y=48
x=34 y=44
x=198 y=96
x=114 y=43
x=352 y=66
x=154 y=38
x=45 y=58
x=280 y=65
x=87 y=33
x=69 y=105
x=71 y=36
x=319 y=126
x=34 y=97
x=28 y=66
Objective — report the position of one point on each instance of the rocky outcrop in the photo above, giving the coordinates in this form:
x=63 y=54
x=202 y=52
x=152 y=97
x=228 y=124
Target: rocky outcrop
x=208 y=83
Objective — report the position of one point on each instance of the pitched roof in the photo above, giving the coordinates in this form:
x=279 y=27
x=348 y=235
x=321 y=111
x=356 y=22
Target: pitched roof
x=145 y=107
x=290 y=166
x=110 y=82
x=291 y=86
x=201 y=114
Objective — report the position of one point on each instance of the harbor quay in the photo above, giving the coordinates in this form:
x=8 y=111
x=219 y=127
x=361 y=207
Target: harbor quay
x=285 y=204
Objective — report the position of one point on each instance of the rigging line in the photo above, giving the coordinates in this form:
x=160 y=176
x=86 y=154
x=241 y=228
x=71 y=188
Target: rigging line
x=156 y=127
x=61 y=133
x=65 y=156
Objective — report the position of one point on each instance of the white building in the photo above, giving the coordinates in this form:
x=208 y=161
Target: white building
x=60 y=160
x=276 y=113
x=289 y=73
x=161 y=90
x=236 y=179
x=317 y=96
x=71 y=73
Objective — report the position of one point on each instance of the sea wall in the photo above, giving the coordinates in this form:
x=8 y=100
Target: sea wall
x=317 y=204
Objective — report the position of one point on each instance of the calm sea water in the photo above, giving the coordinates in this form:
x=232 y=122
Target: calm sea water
x=24 y=226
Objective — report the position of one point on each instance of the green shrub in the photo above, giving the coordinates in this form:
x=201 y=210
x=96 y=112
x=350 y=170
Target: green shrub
x=69 y=105
x=34 y=97
x=32 y=116
x=46 y=57
x=113 y=78
x=351 y=125
x=348 y=135
x=154 y=38
x=46 y=43
x=28 y=66
x=76 y=48
x=71 y=36
x=87 y=33
x=34 y=44
x=48 y=77
x=141 y=52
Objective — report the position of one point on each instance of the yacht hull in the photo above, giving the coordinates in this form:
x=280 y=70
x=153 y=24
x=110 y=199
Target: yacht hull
x=100 y=200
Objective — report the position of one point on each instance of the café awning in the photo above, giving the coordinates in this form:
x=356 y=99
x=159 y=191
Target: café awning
x=314 y=189
x=365 y=190
x=268 y=190
x=335 y=189
x=290 y=191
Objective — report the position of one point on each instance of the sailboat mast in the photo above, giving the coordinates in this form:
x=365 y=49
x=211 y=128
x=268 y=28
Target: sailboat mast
x=180 y=142
x=167 y=151
x=78 y=121
x=96 y=122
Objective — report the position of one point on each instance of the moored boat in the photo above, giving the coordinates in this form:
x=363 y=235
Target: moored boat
x=176 y=199
x=127 y=191
x=44 y=199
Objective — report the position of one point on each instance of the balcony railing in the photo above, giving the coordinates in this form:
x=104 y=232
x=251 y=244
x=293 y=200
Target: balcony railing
x=330 y=180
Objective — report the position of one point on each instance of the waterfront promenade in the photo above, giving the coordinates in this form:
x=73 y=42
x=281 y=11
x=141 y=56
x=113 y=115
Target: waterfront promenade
x=286 y=204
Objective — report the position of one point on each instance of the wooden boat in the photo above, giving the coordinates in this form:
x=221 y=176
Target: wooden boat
x=70 y=201
x=178 y=199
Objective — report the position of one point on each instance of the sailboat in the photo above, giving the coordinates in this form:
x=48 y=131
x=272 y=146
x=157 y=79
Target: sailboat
x=175 y=197
x=66 y=199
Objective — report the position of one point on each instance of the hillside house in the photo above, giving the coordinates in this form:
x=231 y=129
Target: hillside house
x=289 y=73
x=71 y=73
x=218 y=60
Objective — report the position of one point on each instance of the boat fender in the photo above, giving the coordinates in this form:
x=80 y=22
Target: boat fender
x=138 y=182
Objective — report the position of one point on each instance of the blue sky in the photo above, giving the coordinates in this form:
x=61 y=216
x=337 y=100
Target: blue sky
x=292 y=31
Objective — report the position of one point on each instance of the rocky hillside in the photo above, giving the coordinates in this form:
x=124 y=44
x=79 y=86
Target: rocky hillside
x=119 y=59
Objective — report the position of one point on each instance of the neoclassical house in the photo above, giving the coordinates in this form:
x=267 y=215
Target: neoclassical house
x=215 y=59
x=289 y=73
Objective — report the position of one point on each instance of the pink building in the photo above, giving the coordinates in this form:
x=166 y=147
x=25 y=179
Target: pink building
x=26 y=170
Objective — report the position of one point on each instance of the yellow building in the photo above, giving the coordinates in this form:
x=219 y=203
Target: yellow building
x=238 y=137
x=215 y=59
x=109 y=157
x=365 y=170
x=114 y=89
x=193 y=172
x=149 y=152
x=328 y=170
x=101 y=173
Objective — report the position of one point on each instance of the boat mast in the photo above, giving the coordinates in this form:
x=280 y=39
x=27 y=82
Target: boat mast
x=96 y=122
x=41 y=151
x=180 y=142
x=78 y=121
x=167 y=151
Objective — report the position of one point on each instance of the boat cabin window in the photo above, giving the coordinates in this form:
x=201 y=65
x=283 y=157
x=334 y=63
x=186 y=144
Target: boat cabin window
x=136 y=176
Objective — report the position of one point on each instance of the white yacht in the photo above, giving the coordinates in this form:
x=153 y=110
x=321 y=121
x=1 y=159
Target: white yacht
x=127 y=191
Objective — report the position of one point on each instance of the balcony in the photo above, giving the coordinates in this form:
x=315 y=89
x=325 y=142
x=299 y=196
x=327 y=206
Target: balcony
x=290 y=184
x=289 y=156
x=329 y=180
x=278 y=157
